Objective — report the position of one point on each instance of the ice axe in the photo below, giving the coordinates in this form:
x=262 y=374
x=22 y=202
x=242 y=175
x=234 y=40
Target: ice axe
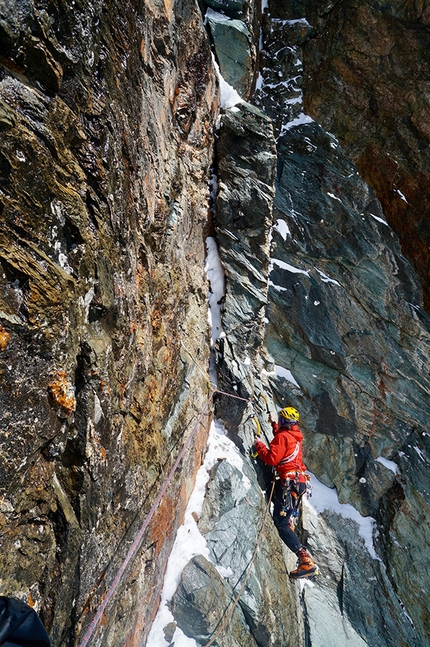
x=255 y=454
x=267 y=405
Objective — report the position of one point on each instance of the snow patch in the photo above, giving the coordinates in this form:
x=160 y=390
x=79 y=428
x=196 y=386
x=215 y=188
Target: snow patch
x=215 y=274
x=301 y=21
x=278 y=288
x=229 y=96
x=390 y=465
x=298 y=121
x=327 y=279
x=286 y=266
x=379 y=219
x=325 y=498
x=335 y=197
x=280 y=371
x=282 y=227
x=403 y=197
x=420 y=454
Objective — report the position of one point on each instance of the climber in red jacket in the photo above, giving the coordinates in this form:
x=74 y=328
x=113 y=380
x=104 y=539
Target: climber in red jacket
x=285 y=453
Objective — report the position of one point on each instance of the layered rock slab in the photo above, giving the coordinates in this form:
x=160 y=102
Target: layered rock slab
x=106 y=117
x=234 y=524
x=246 y=172
x=345 y=318
x=366 y=79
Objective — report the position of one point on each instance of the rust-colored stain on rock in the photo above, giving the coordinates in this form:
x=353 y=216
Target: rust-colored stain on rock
x=4 y=338
x=60 y=393
x=161 y=527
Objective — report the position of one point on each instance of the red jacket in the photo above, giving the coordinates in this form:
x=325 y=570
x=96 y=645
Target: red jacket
x=286 y=444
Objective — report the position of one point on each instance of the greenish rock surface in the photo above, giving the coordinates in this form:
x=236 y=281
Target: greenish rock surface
x=234 y=49
x=233 y=523
x=356 y=341
x=200 y=603
x=366 y=78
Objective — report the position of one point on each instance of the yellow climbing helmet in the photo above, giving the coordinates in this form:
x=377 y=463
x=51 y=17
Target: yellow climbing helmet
x=289 y=413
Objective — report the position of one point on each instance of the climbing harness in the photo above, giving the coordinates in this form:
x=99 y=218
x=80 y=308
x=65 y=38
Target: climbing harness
x=291 y=499
x=247 y=574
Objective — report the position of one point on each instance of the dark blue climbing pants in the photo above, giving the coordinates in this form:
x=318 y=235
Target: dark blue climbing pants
x=287 y=535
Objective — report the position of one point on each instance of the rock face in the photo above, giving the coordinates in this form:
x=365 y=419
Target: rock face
x=366 y=74
x=346 y=340
x=234 y=50
x=106 y=117
x=356 y=354
x=232 y=519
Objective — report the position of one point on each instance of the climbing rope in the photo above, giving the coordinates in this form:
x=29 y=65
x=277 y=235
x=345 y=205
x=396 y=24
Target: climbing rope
x=195 y=362
x=133 y=548
x=135 y=545
x=206 y=375
x=247 y=574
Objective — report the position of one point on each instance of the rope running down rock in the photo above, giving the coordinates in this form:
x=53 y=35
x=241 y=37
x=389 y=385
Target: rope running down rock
x=247 y=574
x=133 y=548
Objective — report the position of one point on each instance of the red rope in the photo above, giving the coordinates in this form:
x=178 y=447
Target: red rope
x=133 y=548
x=230 y=395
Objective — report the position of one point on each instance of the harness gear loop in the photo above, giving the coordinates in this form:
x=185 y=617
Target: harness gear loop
x=309 y=487
x=290 y=498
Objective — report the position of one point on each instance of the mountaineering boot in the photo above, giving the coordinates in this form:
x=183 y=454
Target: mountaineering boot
x=306 y=566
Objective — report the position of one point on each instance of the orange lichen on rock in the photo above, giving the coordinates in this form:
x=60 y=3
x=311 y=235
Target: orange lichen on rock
x=61 y=393
x=4 y=338
x=162 y=524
